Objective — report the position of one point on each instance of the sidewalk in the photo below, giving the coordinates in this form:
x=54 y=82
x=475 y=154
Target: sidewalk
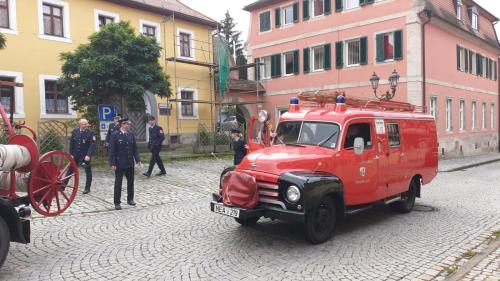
x=451 y=165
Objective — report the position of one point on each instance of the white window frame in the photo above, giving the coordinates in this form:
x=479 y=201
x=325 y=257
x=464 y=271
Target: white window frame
x=483 y=116
x=270 y=21
x=263 y=68
x=485 y=66
x=349 y=8
x=462 y=58
x=462 y=115
x=492 y=116
x=313 y=11
x=12 y=19
x=191 y=44
x=313 y=58
x=433 y=107
x=474 y=62
x=156 y=25
x=283 y=15
x=391 y=34
x=280 y=111
x=449 y=115
x=474 y=115
x=475 y=21
x=43 y=110
x=18 y=92
x=459 y=9
x=97 y=13
x=346 y=52
x=196 y=115
x=66 y=22
x=283 y=58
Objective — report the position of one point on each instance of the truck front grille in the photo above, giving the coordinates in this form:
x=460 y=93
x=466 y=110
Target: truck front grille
x=268 y=194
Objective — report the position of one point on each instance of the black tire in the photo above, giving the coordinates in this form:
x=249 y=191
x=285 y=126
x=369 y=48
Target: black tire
x=225 y=171
x=320 y=222
x=248 y=221
x=408 y=200
x=4 y=241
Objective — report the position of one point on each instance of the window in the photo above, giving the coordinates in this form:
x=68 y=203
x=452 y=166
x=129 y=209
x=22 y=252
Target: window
x=433 y=107
x=360 y=130
x=449 y=127
x=318 y=7
x=475 y=20
x=54 y=102
x=149 y=30
x=474 y=115
x=492 y=116
x=318 y=58
x=288 y=60
x=459 y=9
x=461 y=58
x=53 y=20
x=350 y=4
x=4 y=14
x=187 y=109
x=389 y=46
x=7 y=94
x=353 y=52
x=265 y=21
x=484 y=65
x=103 y=20
x=393 y=134
x=483 y=119
x=288 y=15
x=462 y=115
x=473 y=62
x=265 y=68
x=185 y=44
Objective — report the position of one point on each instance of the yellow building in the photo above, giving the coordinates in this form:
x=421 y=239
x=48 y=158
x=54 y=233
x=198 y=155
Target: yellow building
x=38 y=31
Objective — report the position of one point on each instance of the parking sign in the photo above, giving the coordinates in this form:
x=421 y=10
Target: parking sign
x=106 y=112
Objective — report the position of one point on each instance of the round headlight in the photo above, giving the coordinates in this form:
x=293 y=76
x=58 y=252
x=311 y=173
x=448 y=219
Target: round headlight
x=263 y=116
x=293 y=194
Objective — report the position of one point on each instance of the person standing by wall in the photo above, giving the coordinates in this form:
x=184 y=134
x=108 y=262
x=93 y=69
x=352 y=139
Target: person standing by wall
x=156 y=137
x=113 y=127
x=239 y=146
x=123 y=156
x=81 y=147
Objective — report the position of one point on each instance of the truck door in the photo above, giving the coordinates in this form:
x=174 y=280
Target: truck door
x=397 y=157
x=360 y=172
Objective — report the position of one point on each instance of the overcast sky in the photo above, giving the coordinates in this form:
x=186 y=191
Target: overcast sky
x=217 y=8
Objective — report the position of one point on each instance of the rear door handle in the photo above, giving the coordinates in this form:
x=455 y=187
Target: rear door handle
x=376 y=157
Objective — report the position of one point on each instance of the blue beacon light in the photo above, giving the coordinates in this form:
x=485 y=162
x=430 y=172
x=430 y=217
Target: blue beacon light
x=340 y=99
x=294 y=100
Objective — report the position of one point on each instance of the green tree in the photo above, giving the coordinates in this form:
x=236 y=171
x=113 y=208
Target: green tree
x=115 y=65
x=2 y=41
x=236 y=46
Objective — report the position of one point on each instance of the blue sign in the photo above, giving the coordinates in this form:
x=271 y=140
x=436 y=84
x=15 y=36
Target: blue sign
x=106 y=112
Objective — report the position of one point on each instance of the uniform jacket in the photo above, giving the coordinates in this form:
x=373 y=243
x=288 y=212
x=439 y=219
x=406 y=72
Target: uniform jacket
x=239 y=150
x=112 y=128
x=123 y=150
x=156 y=136
x=81 y=144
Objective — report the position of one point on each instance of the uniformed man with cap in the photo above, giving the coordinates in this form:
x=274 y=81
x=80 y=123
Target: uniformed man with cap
x=123 y=156
x=113 y=127
x=81 y=147
x=156 y=137
x=239 y=146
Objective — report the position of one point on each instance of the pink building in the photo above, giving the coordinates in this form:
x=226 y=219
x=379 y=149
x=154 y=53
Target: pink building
x=446 y=52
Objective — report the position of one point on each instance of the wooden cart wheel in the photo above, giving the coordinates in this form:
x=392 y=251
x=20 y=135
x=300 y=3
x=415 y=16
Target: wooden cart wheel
x=53 y=183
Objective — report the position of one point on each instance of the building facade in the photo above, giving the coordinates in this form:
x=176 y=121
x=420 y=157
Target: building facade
x=446 y=53
x=38 y=31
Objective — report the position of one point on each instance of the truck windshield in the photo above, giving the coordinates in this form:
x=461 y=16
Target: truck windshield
x=307 y=133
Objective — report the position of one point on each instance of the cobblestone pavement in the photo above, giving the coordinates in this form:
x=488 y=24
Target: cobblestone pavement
x=172 y=235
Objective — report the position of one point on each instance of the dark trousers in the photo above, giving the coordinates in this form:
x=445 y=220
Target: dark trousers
x=88 y=173
x=129 y=174
x=155 y=159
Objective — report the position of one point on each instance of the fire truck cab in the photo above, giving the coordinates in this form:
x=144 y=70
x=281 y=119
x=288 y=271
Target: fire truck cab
x=333 y=159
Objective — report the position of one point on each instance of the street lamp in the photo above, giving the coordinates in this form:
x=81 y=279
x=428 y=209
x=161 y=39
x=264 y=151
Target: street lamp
x=393 y=83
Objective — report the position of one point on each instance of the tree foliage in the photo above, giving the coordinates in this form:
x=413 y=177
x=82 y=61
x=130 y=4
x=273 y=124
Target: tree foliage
x=2 y=41
x=115 y=65
x=227 y=29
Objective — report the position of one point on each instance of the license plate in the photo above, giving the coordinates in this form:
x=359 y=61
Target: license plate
x=228 y=211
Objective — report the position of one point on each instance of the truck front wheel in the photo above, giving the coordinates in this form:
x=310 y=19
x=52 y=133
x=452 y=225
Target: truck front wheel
x=320 y=222
x=4 y=241
x=407 y=200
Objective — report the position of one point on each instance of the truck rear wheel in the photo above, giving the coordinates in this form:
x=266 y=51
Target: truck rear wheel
x=320 y=222
x=4 y=241
x=248 y=221
x=407 y=200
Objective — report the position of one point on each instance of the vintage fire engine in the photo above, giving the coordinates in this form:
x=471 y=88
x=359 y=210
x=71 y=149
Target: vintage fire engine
x=337 y=157
x=49 y=183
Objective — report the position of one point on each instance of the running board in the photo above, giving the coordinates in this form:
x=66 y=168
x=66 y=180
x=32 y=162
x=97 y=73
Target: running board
x=392 y=200
x=357 y=209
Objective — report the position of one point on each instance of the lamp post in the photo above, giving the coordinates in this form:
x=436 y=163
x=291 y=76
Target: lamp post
x=393 y=83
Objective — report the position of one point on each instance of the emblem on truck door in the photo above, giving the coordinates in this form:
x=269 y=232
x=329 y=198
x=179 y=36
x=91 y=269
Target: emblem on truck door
x=362 y=171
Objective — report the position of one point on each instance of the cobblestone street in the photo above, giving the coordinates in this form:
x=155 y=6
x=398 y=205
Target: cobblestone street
x=172 y=235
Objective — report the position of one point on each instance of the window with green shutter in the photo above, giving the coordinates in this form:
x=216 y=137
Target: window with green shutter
x=339 y=55
x=328 y=57
x=265 y=21
x=328 y=7
x=380 y=47
x=318 y=58
x=389 y=46
x=479 y=67
x=296 y=64
x=296 y=12
x=306 y=54
x=305 y=10
x=466 y=61
x=459 y=66
x=277 y=17
x=398 y=45
x=338 y=5
x=276 y=66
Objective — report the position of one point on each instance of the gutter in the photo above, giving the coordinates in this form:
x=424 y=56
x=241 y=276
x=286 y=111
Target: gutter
x=427 y=14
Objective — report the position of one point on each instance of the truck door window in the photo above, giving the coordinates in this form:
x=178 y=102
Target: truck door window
x=359 y=130
x=393 y=134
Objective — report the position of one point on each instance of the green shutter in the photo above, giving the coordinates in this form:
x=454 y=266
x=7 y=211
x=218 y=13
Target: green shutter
x=363 y=49
x=362 y=2
x=339 y=54
x=278 y=65
x=327 y=62
x=338 y=6
x=307 y=64
x=328 y=7
x=257 y=69
x=496 y=71
x=466 y=53
x=277 y=17
x=305 y=10
x=296 y=66
x=380 y=48
x=296 y=12
x=262 y=22
x=458 y=58
x=470 y=61
x=398 y=45
x=479 y=60
x=370 y=1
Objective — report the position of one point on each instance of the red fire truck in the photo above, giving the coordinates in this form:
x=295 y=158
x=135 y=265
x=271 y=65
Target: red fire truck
x=334 y=158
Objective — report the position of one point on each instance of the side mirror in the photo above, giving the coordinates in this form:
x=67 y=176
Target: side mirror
x=359 y=146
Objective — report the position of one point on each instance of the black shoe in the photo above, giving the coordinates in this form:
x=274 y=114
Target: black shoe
x=146 y=175
x=118 y=207
x=86 y=191
x=161 y=173
x=131 y=203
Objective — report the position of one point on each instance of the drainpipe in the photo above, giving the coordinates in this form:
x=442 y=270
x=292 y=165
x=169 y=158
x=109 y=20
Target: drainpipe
x=498 y=81
x=427 y=14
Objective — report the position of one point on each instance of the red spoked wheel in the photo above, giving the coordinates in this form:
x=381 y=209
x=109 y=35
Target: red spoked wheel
x=53 y=183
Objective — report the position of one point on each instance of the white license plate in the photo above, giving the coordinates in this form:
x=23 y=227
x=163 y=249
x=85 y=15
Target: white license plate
x=228 y=211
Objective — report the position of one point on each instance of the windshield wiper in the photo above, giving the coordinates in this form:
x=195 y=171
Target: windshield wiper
x=295 y=144
x=321 y=143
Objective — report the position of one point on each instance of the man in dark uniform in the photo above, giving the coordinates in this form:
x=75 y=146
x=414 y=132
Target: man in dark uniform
x=239 y=146
x=123 y=156
x=113 y=127
x=156 y=137
x=81 y=147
